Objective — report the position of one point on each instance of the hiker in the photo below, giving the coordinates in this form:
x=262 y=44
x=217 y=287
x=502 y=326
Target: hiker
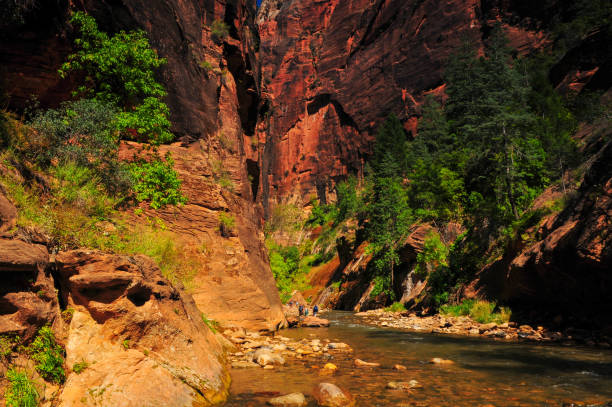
x=315 y=310
x=306 y=312
x=301 y=309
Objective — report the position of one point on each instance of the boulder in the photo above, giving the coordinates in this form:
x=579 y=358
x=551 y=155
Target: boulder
x=8 y=215
x=330 y=395
x=314 y=322
x=265 y=357
x=289 y=400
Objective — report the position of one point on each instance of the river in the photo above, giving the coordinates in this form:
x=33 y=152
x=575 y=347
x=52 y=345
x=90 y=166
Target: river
x=485 y=372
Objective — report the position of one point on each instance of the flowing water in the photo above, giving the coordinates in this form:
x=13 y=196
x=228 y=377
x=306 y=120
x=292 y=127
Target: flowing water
x=485 y=373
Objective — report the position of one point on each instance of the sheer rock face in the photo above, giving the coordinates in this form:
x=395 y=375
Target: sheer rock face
x=143 y=340
x=213 y=99
x=333 y=70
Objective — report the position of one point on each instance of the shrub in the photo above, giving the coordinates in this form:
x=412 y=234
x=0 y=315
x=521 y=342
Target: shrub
x=158 y=182
x=433 y=256
x=21 y=391
x=79 y=367
x=48 y=355
x=382 y=285
x=227 y=222
x=219 y=29
x=67 y=314
x=7 y=343
x=479 y=310
x=83 y=132
x=121 y=70
x=396 y=307
x=210 y=323
x=207 y=66
x=285 y=218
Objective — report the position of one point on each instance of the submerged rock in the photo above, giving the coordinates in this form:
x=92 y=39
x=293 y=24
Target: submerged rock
x=412 y=384
x=330 y=395
x=289 y=400
x=440 y=361
x=362 y=363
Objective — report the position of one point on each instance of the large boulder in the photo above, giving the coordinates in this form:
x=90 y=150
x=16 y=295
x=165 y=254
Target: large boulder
x=143 y=341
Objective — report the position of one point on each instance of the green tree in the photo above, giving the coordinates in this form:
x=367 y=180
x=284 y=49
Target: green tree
x=120 y=69
x=388 y=211
x=502 y=159
x=436 y=189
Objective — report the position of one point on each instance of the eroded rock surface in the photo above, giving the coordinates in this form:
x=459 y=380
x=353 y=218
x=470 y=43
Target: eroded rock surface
x=144 y=341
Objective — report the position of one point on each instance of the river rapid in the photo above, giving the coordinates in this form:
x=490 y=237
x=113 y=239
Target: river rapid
x=485 y=372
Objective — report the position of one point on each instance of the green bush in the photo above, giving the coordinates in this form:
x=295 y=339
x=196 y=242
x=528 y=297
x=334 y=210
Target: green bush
x=7 y=343
x=479 y=310
x=396 y=307
x=219 y=29
x=433 y=256
x=227 y=222
x=158 y=182
x=120 y=69
x=21 y=391
x=83 y=132
x=48 y=355
x=79 y=367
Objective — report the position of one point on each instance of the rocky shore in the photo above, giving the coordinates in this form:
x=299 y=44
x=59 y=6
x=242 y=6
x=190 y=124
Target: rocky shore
x=465 y=326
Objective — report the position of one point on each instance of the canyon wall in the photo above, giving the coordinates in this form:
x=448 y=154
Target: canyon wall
x=212 y=98
x=332 y=71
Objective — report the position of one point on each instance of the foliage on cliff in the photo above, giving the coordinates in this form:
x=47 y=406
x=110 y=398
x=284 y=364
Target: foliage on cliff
x=120 y=70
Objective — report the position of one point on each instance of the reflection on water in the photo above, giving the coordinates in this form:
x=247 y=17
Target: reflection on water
x=485 y=372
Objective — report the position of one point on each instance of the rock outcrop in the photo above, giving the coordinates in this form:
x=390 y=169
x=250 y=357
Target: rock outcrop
x=27 y=293
x=143 y=340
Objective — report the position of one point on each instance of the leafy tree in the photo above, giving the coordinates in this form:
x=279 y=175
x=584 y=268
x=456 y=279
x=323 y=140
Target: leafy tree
x=120 y=69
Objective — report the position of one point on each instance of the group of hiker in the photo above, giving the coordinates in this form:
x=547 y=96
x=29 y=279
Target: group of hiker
x=303 y=310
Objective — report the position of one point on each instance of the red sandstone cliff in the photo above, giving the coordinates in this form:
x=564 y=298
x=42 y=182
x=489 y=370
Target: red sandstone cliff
x=212 y=97
x=333 y=70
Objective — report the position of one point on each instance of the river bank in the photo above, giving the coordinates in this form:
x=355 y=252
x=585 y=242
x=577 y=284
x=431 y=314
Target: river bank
x=465 y=326
x=480 y=372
